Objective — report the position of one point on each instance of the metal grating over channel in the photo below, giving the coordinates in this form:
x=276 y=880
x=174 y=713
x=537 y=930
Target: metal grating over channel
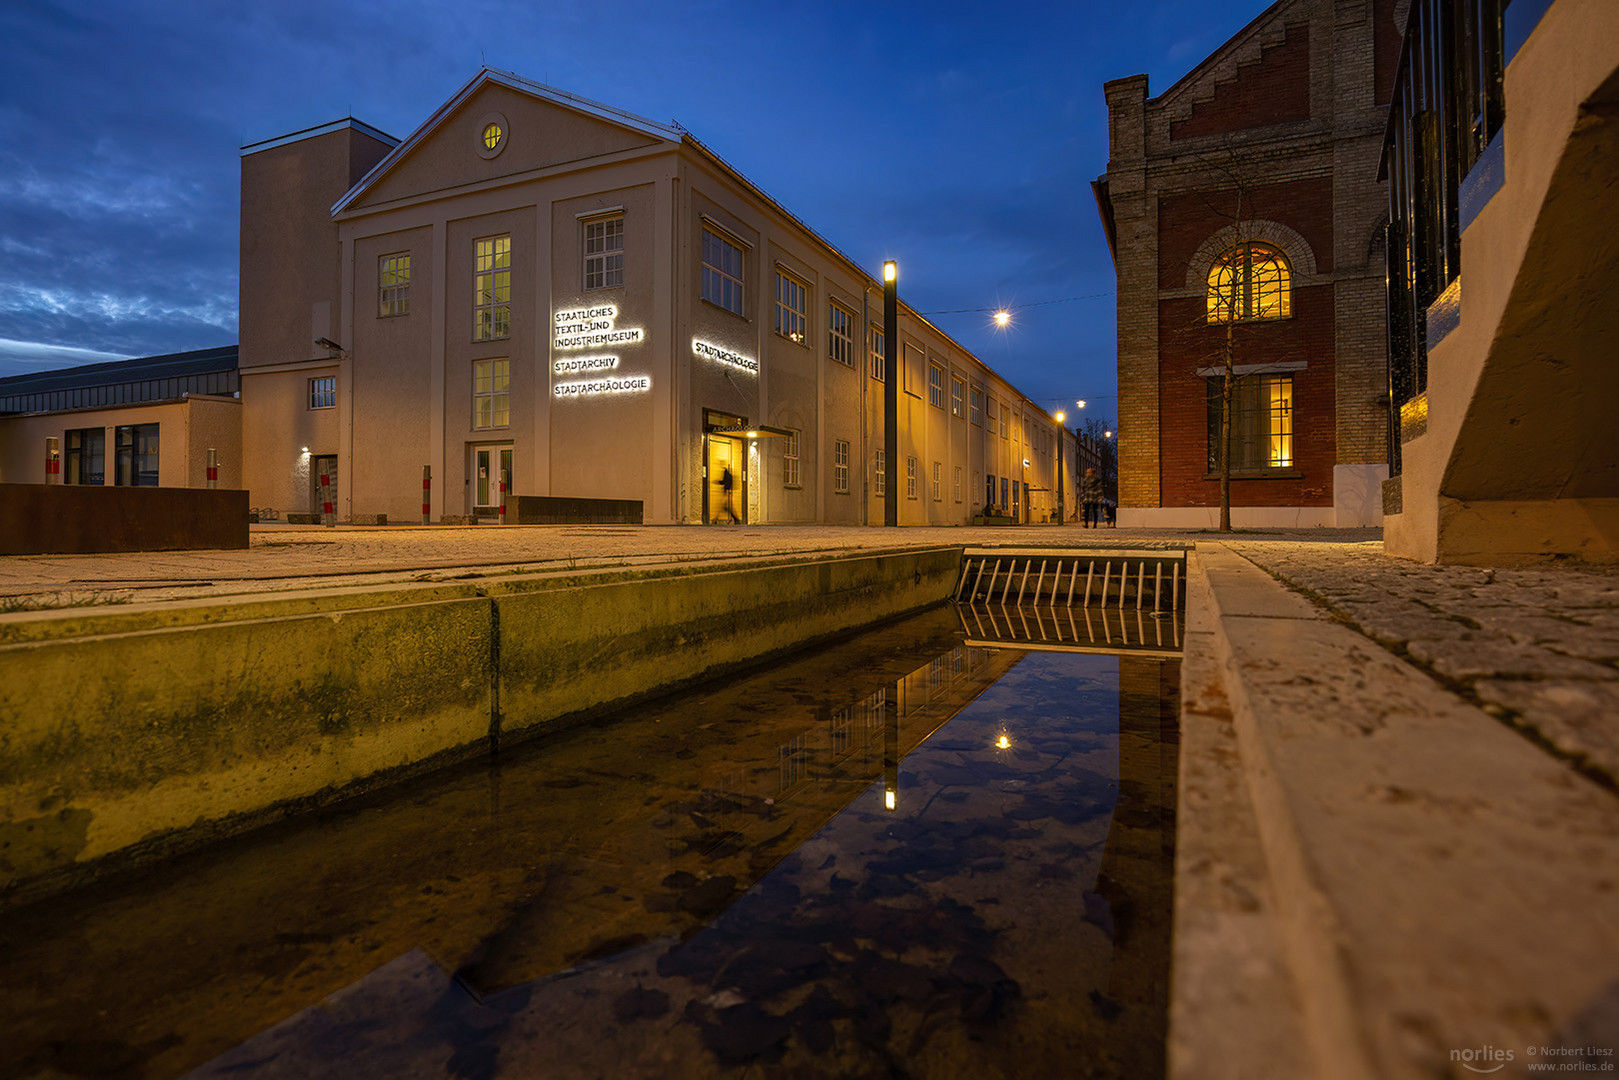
x=1140 y=580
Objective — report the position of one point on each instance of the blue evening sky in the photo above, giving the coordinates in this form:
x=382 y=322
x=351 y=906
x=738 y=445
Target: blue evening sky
x=958 y=138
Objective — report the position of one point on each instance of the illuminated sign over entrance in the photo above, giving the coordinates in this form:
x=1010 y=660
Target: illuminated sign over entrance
x=725 y=356
x=591 y=328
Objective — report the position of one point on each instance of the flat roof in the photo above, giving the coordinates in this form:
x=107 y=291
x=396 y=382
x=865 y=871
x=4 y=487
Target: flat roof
x=167 y=366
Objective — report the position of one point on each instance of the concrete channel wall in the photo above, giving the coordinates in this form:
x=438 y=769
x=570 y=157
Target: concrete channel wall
x=129 y=734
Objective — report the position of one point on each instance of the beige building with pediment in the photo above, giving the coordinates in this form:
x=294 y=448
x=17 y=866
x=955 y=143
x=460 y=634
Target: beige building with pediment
x=599 y=307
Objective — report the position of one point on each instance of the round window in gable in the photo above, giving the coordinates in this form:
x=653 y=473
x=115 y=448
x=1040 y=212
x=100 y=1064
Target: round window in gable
x=493 y=134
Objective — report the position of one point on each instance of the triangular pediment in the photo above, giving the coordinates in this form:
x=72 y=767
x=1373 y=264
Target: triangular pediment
x=540 y=127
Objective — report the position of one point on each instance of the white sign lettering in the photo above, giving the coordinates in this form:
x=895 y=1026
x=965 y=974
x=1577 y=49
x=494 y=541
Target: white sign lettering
x=632 y=384
x=724 y=356
x=587 y=328
x=585 y=363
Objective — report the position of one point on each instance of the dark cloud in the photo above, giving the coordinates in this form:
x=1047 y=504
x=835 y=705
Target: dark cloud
x=958 y=139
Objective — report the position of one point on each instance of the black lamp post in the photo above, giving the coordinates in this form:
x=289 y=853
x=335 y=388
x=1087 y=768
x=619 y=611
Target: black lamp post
x=1062 y=448
x=890 y=393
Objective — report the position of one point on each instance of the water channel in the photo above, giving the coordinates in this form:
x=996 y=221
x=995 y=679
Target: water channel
x=914 y=853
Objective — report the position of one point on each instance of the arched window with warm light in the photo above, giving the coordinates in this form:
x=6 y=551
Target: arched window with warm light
x=1250 y=281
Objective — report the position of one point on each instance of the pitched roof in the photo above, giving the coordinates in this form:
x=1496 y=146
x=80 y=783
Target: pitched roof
x=511 y=81
x=167 y=366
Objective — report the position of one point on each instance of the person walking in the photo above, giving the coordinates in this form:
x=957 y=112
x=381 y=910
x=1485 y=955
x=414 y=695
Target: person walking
x=727 y=484
x=1090 y=496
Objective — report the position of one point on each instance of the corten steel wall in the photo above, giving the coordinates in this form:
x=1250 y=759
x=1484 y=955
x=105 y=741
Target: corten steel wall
x=141 y=732
x=65 y=519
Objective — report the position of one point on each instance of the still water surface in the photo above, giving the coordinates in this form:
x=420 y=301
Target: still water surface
x=900 y=856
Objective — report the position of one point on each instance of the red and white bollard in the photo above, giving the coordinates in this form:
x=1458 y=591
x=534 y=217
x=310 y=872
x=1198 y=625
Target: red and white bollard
x=53 y=460
x=328 y=517
x=213 y=469
x=503 y=496
x=427 y=494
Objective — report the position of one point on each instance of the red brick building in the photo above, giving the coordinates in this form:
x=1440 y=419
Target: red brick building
x=1242 y=205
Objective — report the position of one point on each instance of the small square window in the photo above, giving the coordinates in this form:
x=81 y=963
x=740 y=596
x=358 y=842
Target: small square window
x=323 y=392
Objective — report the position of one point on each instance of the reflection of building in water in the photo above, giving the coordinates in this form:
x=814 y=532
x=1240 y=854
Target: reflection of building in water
x=1136 y=876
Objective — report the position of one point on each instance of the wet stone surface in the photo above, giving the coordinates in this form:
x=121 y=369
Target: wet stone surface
x=716 y=885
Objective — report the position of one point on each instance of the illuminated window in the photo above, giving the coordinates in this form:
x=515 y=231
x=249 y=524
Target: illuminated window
x=910 y=478
x=86 y=456
x=1261 y=422
x=1006 y=422
x=492 y=134
x=958 y=394
x=840 y=466
x=722 y=272
x=604 y=253
x=1250 y=281
x=790 y=300
x=491 y=393
x=136 y=462
x=977 y=416
x=879 y=354
x=393 y=285
x=880 y=464
x=789 y=459
x=492 y=288
x=323 y=392
x=938 y=481
x=840 y=335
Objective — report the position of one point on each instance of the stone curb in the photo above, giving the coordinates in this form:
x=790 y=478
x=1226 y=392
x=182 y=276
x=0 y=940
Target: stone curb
x=1441 y=884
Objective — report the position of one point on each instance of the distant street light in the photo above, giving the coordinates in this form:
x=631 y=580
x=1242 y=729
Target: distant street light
x=1081 y=404
x=1002 y=317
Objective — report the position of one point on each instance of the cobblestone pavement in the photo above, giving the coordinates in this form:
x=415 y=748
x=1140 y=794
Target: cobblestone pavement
x=301 y=557
x=1538 y=648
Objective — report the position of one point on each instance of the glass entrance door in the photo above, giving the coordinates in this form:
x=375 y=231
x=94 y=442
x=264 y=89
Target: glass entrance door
x=488 y=464
x=723 y=487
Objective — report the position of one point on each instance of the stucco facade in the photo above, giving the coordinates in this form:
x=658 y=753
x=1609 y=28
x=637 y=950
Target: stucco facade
x=601 y=307
x=1270 y=145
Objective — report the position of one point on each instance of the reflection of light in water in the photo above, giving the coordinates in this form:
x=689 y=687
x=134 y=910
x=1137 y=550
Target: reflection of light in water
x=890 y=798
x=1003 y=743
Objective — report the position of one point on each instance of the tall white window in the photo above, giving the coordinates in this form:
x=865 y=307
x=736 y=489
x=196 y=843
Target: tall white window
x=492 y=288
x=722 y=272
x=393 y=285
x=840 y=335
x=977 y=404
x=789 y=458
x=604 y=253
x=790 y=306
x=956 y=485
x=491 y=393
x=910 y=478
x=938 y=481
x=958 y=394
x=935 y=385
x=840 y=466
x=879 y=485
x=989 y=416
x=1006 y=422
x=879 y=354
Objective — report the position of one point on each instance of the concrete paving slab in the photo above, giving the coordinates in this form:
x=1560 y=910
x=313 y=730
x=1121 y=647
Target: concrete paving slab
x=1443 y=884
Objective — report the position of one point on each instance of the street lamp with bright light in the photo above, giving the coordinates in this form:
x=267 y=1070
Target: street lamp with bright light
x=1002 y=317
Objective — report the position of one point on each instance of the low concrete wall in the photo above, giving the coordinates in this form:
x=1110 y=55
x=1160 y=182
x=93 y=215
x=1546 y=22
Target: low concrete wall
x=73 y=519
x=133 y=734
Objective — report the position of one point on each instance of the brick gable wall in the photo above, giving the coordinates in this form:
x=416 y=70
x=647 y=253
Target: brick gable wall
x=1273 y=90
x=1187 y=219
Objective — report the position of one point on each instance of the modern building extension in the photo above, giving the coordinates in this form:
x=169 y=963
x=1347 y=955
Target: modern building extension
x=147 y=422
x=1502 y=158
x=591 y=306
x=1245 y=216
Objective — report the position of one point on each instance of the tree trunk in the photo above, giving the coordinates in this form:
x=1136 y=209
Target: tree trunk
x=1225 y=430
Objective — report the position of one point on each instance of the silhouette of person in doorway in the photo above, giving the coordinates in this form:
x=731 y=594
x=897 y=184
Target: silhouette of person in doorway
x=728 y=484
